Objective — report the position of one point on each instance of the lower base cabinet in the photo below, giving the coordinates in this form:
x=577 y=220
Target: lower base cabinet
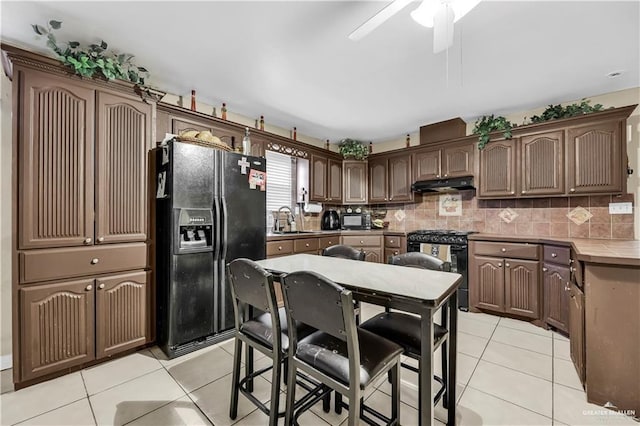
x=71 y=323
x=577 y=331
x=556 y=296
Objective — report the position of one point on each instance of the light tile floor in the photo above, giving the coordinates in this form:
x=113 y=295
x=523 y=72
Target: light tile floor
x=509 y=373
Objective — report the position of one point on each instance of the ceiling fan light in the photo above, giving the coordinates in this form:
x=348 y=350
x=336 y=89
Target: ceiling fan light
x=425 y=13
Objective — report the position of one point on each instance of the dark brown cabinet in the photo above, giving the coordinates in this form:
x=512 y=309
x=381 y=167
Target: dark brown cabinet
x=74 y=322
x=82 y=212
x=542 y=164
x=452 y=161
x=370 y=244
x=579 y=155
x=390 y=179
x=499 y=282
x=354 y=182
x=577 y=330
x=595 y=158
x=326 y=179
x=557 y=279
x=498 y=169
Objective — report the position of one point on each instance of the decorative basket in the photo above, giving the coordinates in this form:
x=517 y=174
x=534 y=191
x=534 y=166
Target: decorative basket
x=210 y=144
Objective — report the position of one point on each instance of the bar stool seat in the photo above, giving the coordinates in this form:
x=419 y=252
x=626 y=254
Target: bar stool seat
x=261 y=329
x=329 y=355
x=404 y=329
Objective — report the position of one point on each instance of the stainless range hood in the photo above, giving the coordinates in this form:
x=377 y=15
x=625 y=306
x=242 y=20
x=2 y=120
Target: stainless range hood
x=443 y=185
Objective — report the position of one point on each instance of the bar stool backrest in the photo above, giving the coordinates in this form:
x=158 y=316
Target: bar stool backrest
x=252 y=285
x=317 y=301
x=344 y=252
x=420 y=260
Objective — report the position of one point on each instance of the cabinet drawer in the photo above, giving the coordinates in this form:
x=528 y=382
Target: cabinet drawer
x=559 y=255
x=388 y=252
x=51 y=264
x=362 y=240
x=279 y=248
x=305 y=245
x=513 y=250
x=329 y=241
x=392 y=242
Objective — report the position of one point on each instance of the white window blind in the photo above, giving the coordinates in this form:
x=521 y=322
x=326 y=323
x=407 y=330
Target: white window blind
x=280 y=180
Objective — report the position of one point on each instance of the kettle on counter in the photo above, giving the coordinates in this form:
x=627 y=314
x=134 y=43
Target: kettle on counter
x=330 y=220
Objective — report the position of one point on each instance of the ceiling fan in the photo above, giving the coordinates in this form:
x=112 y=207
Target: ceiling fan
x=437 y=14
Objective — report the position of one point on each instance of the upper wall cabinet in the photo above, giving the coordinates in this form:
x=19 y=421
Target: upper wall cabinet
x=580 y=155
x=354 y=175
x=83 y=163
x=326 y=179
x=390 y=179
x=440 y=163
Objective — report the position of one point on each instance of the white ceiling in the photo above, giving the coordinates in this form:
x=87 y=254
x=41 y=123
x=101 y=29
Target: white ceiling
x=292 y=62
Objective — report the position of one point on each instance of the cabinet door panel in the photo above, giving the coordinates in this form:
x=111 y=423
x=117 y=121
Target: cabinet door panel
x=542 y=161
x=121 y=313
x=373 y=255
x=521 y=288
x=576 y=331
x=458 y=161
x=427 y=165
x=498 y=169
x=55 y=153
x=400 y=178
x=556 y=296
x=355 y=182
x=595 y=159
x=123 y=139
x=335 y=181
x=56 y=327
x=488 y=286
x=378 y=181
x=319 y=170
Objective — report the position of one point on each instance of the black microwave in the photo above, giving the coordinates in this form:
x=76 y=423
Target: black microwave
x=355 y=221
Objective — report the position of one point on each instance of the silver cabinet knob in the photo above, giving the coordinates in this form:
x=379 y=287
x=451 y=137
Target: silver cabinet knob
x=503 y=249
x=437 y=176
x=513 y=192
x=524 y=192
x=101 y=239
x=544 y=269
x=499 y=264
x=554 y=255
x=572 y=269
x=279 y=247
x=395 y=253
x=94 y=261
x=89 y=287
x=567 y=288
x=307 y=245
x=101 y=286
x=572 y=190
x=87 y=240
x=391 y=241
x=507 y=264
x=330 y=243
x=361 y=242
x=446 y=175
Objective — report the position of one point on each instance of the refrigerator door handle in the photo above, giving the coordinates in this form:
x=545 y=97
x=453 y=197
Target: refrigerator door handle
x=216 y=231
x=223 y=230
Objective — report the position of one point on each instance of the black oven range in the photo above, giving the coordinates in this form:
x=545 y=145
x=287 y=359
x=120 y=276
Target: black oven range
x=450 y=246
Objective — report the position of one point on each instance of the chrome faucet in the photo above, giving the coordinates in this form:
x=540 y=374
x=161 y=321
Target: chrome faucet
x=290 y=219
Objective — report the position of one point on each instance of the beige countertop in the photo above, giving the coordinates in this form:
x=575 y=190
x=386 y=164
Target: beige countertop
x=271 y=236
x=617 y=252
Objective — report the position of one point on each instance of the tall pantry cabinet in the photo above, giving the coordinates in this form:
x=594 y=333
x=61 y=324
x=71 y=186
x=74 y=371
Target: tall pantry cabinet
x=80 y=267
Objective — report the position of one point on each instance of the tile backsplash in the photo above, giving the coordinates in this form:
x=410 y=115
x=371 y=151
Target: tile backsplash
x=577 y=217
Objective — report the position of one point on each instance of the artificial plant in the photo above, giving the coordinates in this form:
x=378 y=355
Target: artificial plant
x=94 y=61
x=554 y=112
x=351 y=148
x=487 y=124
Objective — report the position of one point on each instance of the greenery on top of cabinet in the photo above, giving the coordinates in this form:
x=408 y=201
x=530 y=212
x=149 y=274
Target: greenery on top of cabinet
x=487 y=124
x=93 y=61
x=554 y=112
x=351 y=148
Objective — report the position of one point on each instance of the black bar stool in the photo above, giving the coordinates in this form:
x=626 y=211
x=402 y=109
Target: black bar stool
x=252 y=286
x=404 y=329
x=340 y=355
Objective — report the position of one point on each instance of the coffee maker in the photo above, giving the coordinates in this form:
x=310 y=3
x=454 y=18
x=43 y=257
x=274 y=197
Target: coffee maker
x=330 y=220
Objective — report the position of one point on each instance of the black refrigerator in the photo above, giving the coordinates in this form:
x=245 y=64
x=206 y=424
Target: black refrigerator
x=210 y=210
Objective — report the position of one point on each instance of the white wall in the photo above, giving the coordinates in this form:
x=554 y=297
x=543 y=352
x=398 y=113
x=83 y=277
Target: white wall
x=5 y=222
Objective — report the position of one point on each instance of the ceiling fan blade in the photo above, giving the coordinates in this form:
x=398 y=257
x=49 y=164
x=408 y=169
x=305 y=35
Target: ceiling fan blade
x=378 y=19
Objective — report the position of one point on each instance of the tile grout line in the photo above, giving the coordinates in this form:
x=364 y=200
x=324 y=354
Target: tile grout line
x=95 y=421
x=49 y=411
x=149 y=412
x=529 y=332
x=509 y=402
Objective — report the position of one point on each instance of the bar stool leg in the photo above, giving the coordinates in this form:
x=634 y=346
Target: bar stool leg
x=235 y=379
x=338 y=403
x=355 y=405
x=395 y=394
x=291 y=394
x=445 y=374
x=275 y=390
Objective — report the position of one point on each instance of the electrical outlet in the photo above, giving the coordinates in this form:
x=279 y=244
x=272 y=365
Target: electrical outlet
x=620 y=208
